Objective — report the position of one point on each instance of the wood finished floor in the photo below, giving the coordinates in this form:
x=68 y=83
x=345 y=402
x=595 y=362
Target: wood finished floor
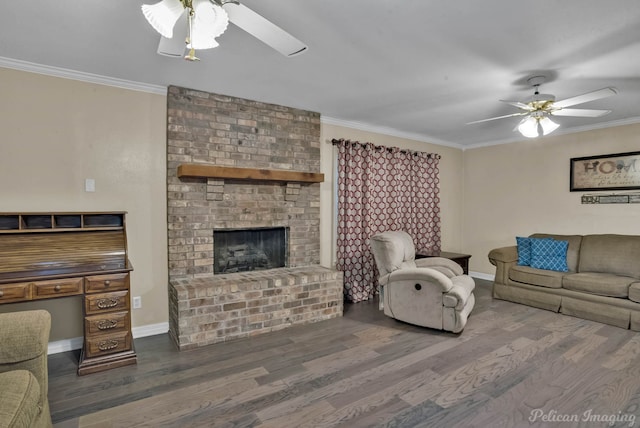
x=366 y=370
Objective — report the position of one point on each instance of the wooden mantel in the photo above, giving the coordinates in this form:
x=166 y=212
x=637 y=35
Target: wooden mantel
x=213 y=171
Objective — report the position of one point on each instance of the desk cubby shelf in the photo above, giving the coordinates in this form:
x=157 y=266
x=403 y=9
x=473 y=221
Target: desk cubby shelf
x=60 y=222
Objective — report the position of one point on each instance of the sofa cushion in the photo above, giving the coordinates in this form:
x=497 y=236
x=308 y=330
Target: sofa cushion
x=617 y=254
x=19 y=399
x=634 y=292
x=529 y=275
x=603 y=284
x=549 y=254
x=573 y=252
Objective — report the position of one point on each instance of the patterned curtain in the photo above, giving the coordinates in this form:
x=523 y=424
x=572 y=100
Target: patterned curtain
x=379 y=189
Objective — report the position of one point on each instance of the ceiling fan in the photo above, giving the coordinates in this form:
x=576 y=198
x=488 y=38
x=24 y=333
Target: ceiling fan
x=195 y=24
x=538 y=108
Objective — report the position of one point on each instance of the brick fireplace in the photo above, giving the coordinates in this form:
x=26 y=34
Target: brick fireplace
x=210 y=131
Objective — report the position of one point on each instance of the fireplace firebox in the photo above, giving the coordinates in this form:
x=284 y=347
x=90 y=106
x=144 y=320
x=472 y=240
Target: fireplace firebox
x=240 y=250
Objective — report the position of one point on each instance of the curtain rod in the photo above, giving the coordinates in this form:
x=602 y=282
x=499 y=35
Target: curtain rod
x=336 y=142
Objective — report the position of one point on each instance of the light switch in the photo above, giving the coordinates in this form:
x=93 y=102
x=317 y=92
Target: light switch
x=89 y=185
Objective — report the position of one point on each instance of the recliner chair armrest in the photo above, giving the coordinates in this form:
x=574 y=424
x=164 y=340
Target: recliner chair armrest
x=421 y=274
x=457 y=297
x=446 y=266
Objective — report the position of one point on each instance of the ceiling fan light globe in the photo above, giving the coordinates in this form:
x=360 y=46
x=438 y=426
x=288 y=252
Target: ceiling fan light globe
x=209 y=22
x=529 y=127
x=163 y=15
x=548 y=125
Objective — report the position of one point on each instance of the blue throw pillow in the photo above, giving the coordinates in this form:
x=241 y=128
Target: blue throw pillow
x=524 y=249
x=549 y=254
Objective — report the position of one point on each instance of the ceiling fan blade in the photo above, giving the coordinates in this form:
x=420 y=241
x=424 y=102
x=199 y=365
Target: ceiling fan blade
x=264 y=30
x=585 y=98
x=580 y=112
x=518 y=104
x=498 y=117
x=175 y=46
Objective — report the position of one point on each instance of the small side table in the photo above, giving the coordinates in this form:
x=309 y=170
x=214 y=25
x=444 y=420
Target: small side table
x=461 y=259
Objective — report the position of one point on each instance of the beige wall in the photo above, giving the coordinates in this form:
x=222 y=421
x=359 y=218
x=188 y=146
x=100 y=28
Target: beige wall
x=57 y=132
x=522 y=188
x=451 y=191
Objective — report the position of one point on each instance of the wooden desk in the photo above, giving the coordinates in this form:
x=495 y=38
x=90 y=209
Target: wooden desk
x=53 y=255
x=461 y=259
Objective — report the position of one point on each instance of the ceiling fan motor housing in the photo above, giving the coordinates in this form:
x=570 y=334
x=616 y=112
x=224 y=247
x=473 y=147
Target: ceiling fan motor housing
x=540 y=101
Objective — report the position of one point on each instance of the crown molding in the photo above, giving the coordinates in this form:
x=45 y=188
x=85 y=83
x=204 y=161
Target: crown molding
x=66 y=73
x=392 y=132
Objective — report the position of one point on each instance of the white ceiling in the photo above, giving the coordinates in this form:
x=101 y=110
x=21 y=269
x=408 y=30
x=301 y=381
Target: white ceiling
x=415 y=68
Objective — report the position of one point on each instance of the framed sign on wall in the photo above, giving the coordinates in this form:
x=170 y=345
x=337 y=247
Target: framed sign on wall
x=617 y=171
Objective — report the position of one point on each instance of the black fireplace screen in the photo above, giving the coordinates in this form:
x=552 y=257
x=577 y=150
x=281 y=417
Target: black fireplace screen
x=239 y=250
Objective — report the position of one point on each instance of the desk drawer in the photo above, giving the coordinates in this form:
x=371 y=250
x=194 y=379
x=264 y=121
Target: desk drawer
x=106 y=323
x=17 y=292
x=107 y=344
x=58 y=287
x=105 y=283
x=115 y=301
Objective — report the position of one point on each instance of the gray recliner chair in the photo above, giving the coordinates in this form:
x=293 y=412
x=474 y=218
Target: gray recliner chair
x=430 y=292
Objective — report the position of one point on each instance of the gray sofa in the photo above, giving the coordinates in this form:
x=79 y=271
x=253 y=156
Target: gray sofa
x=602 y=284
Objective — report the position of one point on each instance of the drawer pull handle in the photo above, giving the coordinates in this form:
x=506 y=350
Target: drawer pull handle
x=107 y=303
x=107 y=324
x=107 y=283
x=57 y=287
x=108 y=345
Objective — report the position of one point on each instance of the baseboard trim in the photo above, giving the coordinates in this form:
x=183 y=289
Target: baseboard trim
x=66 y=345
x=150 y=330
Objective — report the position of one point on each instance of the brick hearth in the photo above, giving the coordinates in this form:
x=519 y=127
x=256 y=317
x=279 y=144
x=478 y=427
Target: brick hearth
x=233 y=132
x=222 y=307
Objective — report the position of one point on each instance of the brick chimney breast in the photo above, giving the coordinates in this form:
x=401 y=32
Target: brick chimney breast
x=227 y=131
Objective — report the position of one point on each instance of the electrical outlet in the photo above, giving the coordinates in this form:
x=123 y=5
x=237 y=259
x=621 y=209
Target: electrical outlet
x=137 y=302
